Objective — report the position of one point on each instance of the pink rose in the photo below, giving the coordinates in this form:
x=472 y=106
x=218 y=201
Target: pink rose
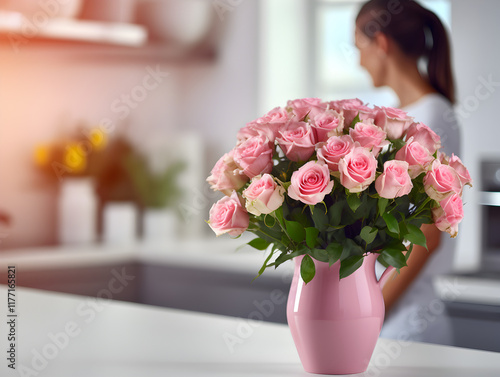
x=394 y=181
x=393 y=121
x=350 y=109
x=327 y=124
x=254 y=156
x=449 y=214
x=306 y=106
x=297 y=141
x=229 y=216
x=425 y=136
x=416 y=155
x=263 y=195
x=369 y=136
x=461 y=170
x=278 y=115
x=251 y=130
x=310 y=183
x=334 y=149
x=270 y=124
x=441 y=181
x=226 y=176
x=443 y=158
x=357 y=169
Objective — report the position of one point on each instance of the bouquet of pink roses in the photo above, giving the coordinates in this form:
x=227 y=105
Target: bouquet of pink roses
x=335 y=181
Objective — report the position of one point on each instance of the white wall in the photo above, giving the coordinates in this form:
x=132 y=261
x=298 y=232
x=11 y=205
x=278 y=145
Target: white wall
x=44 y=93
x=476 y=58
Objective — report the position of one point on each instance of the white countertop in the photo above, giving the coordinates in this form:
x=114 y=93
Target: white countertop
x=123 y=339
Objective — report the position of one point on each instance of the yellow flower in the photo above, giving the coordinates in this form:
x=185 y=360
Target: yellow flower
x=98 y=138
x=75 y=158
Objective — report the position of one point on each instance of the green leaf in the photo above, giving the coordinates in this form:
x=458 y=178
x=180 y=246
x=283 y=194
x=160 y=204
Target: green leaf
x=284 y=256
x=394 y=257
x=350 y=247
x=307 y=269
x=301 y=217
x=349 y=265
x=335 y=214
x=357 y=119
x=402 y=227
x=398 y=143
x=368 y=234
x=391 y=222
x=382 y=261
x=295 y=230
x=415 y=236
x=320 y=255
x=312 y=237
x=354 y=202
x=408 y=253
x=259 y=244
x=267 y=234
x=320 y=219
x=334 y=251
x=264 y=266
x=382 y=205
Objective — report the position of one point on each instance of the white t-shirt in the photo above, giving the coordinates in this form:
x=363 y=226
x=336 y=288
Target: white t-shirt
x=437 y=112
x=419 y=313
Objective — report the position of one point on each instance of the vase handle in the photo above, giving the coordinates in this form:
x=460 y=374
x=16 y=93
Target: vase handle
x=385 y=276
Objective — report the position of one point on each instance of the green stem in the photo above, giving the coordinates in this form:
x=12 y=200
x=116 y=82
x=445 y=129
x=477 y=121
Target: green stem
x=283 y=229
x=421 y=208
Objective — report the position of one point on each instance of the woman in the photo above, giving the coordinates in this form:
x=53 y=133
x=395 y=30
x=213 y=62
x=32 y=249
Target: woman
x=405 y=47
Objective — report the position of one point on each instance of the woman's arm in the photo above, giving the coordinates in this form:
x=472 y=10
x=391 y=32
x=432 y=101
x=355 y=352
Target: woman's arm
x=398 y=283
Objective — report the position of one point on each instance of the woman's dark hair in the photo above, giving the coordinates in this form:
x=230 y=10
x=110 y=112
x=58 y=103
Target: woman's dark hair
x=418 y=32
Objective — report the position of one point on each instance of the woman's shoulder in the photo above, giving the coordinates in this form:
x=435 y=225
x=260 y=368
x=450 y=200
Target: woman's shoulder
x=430 y=102
x=434 y=110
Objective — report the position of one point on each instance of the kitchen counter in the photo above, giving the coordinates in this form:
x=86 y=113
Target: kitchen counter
x=472 y=302
x=213 y=253
x=59 y=335
x=210 y=276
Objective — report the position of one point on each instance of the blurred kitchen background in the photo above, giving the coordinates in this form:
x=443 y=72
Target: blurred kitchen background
x=112 y=114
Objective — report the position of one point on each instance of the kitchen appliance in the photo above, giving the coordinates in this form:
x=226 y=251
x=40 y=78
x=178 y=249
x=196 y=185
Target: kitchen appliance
x=490 y=214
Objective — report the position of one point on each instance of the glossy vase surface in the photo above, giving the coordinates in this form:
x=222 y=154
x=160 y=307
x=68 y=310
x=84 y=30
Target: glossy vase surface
x=335 y=323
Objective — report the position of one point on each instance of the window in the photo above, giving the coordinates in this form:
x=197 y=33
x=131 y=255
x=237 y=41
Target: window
x=335 y=61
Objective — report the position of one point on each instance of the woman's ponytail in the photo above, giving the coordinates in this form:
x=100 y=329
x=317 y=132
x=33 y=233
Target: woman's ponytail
x=439 y=71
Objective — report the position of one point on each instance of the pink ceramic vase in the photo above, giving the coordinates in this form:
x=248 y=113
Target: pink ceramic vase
x=335 y=323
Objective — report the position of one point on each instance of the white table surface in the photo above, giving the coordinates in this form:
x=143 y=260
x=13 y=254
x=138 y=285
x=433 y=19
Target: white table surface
x=124 y=339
